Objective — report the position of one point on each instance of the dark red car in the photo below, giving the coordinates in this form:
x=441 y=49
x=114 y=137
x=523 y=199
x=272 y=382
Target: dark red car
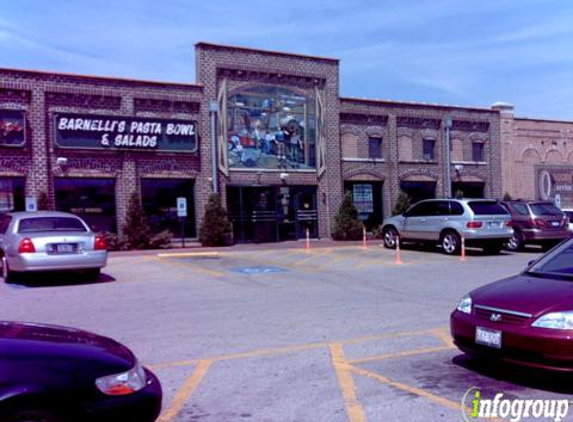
x=57 y=374
x=526 y=319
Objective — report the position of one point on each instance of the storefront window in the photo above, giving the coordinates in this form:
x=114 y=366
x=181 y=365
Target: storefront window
x=159 y=198
x=91 y=199
x=12 y=194
x=271 y=127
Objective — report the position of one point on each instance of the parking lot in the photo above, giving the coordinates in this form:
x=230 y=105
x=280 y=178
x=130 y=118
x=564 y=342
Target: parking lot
x=278 y=333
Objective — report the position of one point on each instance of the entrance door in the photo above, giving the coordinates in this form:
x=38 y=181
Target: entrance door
x=306 y=211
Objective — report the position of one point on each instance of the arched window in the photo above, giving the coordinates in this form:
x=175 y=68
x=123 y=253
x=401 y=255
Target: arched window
x=271 y=127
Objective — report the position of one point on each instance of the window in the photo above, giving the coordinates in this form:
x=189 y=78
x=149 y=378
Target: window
x=271 y=127
x=374 y=147
x=12 y=194
x=159 y=200
x=4 y=223
x=487 y=208
x=93 y=200
x=423 y=209
x=456 y=208
x=50 y=224
x=521 y=209
x=477 y=151
x=429 y=147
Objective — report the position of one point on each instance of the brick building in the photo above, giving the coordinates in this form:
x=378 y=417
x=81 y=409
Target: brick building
x=538 y=154
x=283 y=143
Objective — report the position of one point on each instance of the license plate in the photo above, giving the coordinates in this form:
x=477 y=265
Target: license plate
x=493 y=225
x=555 y=223
x=65 y=248
x=487 y=337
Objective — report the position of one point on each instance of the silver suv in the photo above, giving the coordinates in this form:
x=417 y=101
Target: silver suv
x=481 y=222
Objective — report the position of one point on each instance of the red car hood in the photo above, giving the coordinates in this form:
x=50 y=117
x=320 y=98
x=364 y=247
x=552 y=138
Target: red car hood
x=528 y=294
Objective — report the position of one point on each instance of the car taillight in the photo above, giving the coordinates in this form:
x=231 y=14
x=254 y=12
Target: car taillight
x=509 y=223
x=538 y=222
x=474 y=224
x=100 y=243
x=26 y=246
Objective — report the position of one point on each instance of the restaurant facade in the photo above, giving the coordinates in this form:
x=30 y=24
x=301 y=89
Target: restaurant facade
x=266 y=130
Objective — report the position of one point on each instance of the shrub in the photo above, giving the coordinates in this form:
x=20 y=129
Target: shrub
x=507 y=196
x=347 y=225
x=402 y=204
x=137 y=231
x=215 y=229
x=43 y=202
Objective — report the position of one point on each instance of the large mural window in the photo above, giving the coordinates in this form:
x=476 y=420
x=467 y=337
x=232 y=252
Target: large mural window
x=271 y=127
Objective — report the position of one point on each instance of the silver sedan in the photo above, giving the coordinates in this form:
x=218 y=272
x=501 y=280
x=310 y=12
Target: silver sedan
x=48 y=241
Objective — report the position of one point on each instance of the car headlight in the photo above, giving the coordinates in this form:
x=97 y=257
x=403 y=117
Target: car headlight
x=555 y=320
x=465 y=305
x=124 y=383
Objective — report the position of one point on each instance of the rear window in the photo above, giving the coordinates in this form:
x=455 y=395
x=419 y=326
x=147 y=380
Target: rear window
x=487 y=208
x=48 y=224
x=546 y=209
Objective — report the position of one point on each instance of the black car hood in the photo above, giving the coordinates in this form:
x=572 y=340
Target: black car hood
x=528 y=294
x=23 y=338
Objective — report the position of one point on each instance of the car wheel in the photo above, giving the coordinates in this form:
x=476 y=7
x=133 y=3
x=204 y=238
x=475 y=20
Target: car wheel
x=515 y=243
x=390 y=236
x=33 y=416
x=6 y=274
x=450 y=243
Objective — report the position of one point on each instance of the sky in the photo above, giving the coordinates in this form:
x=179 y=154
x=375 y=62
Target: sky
x=455 y=52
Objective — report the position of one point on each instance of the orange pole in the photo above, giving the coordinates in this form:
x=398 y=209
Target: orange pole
x=307 y=240
x=463 y=254
x=398 y=259
x=364 y=245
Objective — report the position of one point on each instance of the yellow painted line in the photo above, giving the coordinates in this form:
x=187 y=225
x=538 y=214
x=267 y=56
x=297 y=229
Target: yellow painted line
x=195 y=268
x=402 y=354
x=313 y=255
x=332 y=261
x=186 y=391
x=354 y=409
x=444 y=336
x=414 y=390
x=294 y=348
x=188 y=254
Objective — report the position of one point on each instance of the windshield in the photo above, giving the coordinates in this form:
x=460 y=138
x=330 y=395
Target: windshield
x=48 y=224
x=546 y=209
x=487 y=208
x=558 y=263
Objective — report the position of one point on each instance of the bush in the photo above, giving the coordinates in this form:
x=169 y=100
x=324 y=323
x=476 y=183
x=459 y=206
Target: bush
x=347 y=225
x=115 y=242
x=43 y=202
x=137 y=230
x=402 y=204
x=215 y=229
x=507 y=196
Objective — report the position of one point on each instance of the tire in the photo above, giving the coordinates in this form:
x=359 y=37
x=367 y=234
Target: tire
x=516 y=242
x=451 y=242
x=5 y=273
x=38 y=415
x=389 y=236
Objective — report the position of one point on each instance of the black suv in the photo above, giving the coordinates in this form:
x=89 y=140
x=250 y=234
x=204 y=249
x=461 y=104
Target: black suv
x=536 y=222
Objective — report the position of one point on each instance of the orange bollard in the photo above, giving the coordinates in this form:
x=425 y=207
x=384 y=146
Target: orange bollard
x=307 y=241
x=463 y=252
x=398 y=259
x=364 y=245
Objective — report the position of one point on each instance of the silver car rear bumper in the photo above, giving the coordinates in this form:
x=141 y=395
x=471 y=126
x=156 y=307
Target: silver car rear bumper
x=52 y=262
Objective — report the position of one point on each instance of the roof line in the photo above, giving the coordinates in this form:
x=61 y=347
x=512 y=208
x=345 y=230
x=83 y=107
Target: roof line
x=542 y=119
x=413 y=103
x=264 y=51
x=99 y=77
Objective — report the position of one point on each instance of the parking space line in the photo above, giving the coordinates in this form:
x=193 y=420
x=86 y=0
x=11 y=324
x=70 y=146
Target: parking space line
x=294 y=348
x=354 y=409
x=195 y=267
x=185 y=392
x=313 y=255
x=413 y=390
x=405 y=353
x=444 y=335
x=189 y=255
